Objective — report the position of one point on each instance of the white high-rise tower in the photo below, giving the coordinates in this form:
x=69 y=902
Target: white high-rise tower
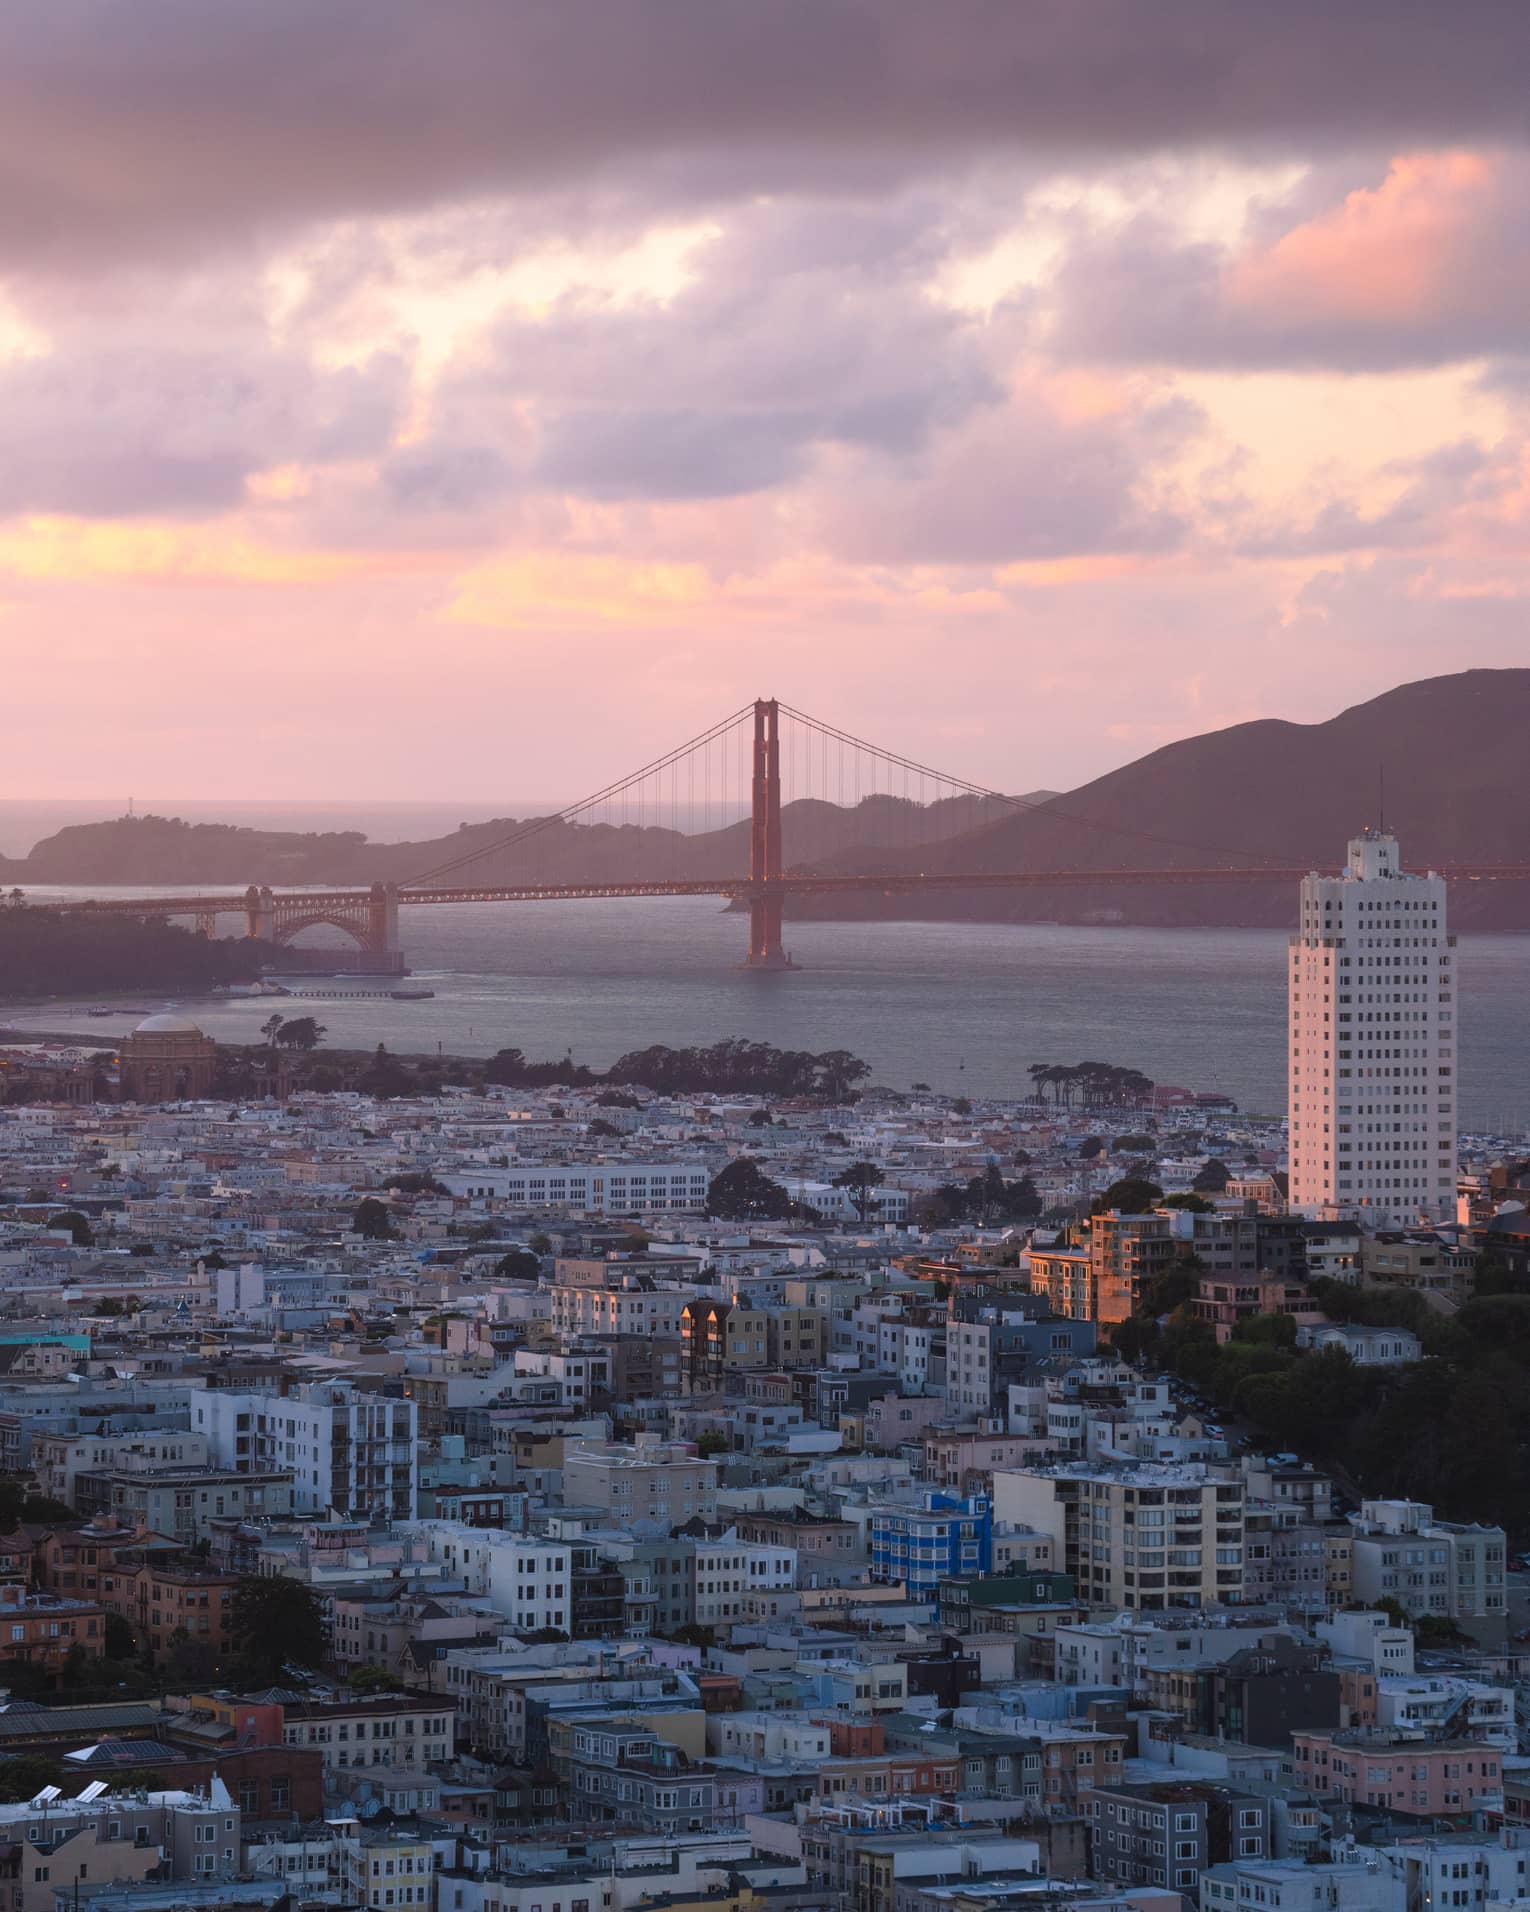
x=1373 y=1043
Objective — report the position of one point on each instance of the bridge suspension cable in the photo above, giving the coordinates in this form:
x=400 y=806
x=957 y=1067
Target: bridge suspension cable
x=639 y=780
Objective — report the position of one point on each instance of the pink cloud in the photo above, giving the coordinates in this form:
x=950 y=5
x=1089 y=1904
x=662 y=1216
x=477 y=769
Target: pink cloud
x=1397 y=251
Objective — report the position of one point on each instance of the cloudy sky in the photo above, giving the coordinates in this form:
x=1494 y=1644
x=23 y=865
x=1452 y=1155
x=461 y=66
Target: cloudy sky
x=471 y=398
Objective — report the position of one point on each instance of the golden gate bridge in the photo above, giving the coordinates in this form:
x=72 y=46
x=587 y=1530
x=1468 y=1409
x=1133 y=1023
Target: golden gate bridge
x=737 y=770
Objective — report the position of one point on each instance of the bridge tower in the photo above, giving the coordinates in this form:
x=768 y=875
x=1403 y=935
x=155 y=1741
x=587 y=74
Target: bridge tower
x=260 y=913
x=765 y=951
x=382 y=917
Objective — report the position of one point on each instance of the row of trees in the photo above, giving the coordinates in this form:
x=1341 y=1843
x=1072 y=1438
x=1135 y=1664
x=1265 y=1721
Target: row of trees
x=732 y=1067
x=743 y=1192
x=1092 y=1085
x=987 y=1200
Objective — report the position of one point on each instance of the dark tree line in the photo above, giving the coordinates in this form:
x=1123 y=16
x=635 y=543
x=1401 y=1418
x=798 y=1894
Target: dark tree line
x=987 y=1200
x=733 y=1067
x=1092 y=1085
x=52 y=953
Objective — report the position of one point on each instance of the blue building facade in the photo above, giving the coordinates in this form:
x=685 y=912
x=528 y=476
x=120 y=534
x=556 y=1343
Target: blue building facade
x=949 y=1536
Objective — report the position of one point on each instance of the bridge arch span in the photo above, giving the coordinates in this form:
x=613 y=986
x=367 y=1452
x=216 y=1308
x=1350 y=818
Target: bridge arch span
x=290 y=924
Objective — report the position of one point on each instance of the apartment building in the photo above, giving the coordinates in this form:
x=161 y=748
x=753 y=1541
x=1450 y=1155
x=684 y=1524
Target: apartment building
x=1439 y=1705
x=388 y=1867
x=1146 y=1537
x=919 y=1546
x=183 y=1502
x=1167 y=1833
x=528 y=1580
x=1062 y=1277
x=177 y=1608
x=665 y=1482
x=627 y=1774
x=1372 y=1042
x=349 y=1451
x=629 y=1305
x=1355 y=1882
x=50 y=1848
x=732 y=1580
x=594 y=1188
x=1225 y=1300
x=386 y=1730
x=797 y=1337
x=60 y=1457
x=1423 y=1779
x=42 y=1629
x=1402 y=1553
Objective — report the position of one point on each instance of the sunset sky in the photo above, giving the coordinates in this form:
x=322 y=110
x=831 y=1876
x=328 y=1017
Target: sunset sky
x=471 y=398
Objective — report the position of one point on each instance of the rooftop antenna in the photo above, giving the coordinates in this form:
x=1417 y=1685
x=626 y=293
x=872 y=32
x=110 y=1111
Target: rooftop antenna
x=1381 y=798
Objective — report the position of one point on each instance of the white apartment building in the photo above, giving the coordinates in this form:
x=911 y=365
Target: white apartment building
x=1438 y=1706
x=845 y=1205
x=528 y=1580
x=1355 y=1883
x=577 y=1372
x=633 y=1306
x=1372 y=1043
x=1124 y=1651
x=904 y=1348
x=347 y=1450
x=768 y=1736
x=1459 y=1873
x=727 y=1575
x=1370 y=1637
x=596 y=1188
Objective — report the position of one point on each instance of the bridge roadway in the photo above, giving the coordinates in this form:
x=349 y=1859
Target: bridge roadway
x=789 y=883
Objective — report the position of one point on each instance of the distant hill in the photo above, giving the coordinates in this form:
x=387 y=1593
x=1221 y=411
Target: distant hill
x=1453 y=750
x=152 y=849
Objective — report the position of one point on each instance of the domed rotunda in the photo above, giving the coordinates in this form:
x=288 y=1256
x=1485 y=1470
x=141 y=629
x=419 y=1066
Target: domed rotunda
x=166 y=1059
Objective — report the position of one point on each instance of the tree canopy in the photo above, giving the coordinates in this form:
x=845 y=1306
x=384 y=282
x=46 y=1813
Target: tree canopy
x=300 y=1032
x=275 y=1621
x=373 y=1221
x=862 y=1179
x=743 y=1192
x=1132 y=1195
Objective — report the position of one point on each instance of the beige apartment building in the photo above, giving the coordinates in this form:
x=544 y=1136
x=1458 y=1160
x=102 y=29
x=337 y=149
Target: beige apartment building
x=1146 y=1537
x=798 y=1337
x=655 y=1480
